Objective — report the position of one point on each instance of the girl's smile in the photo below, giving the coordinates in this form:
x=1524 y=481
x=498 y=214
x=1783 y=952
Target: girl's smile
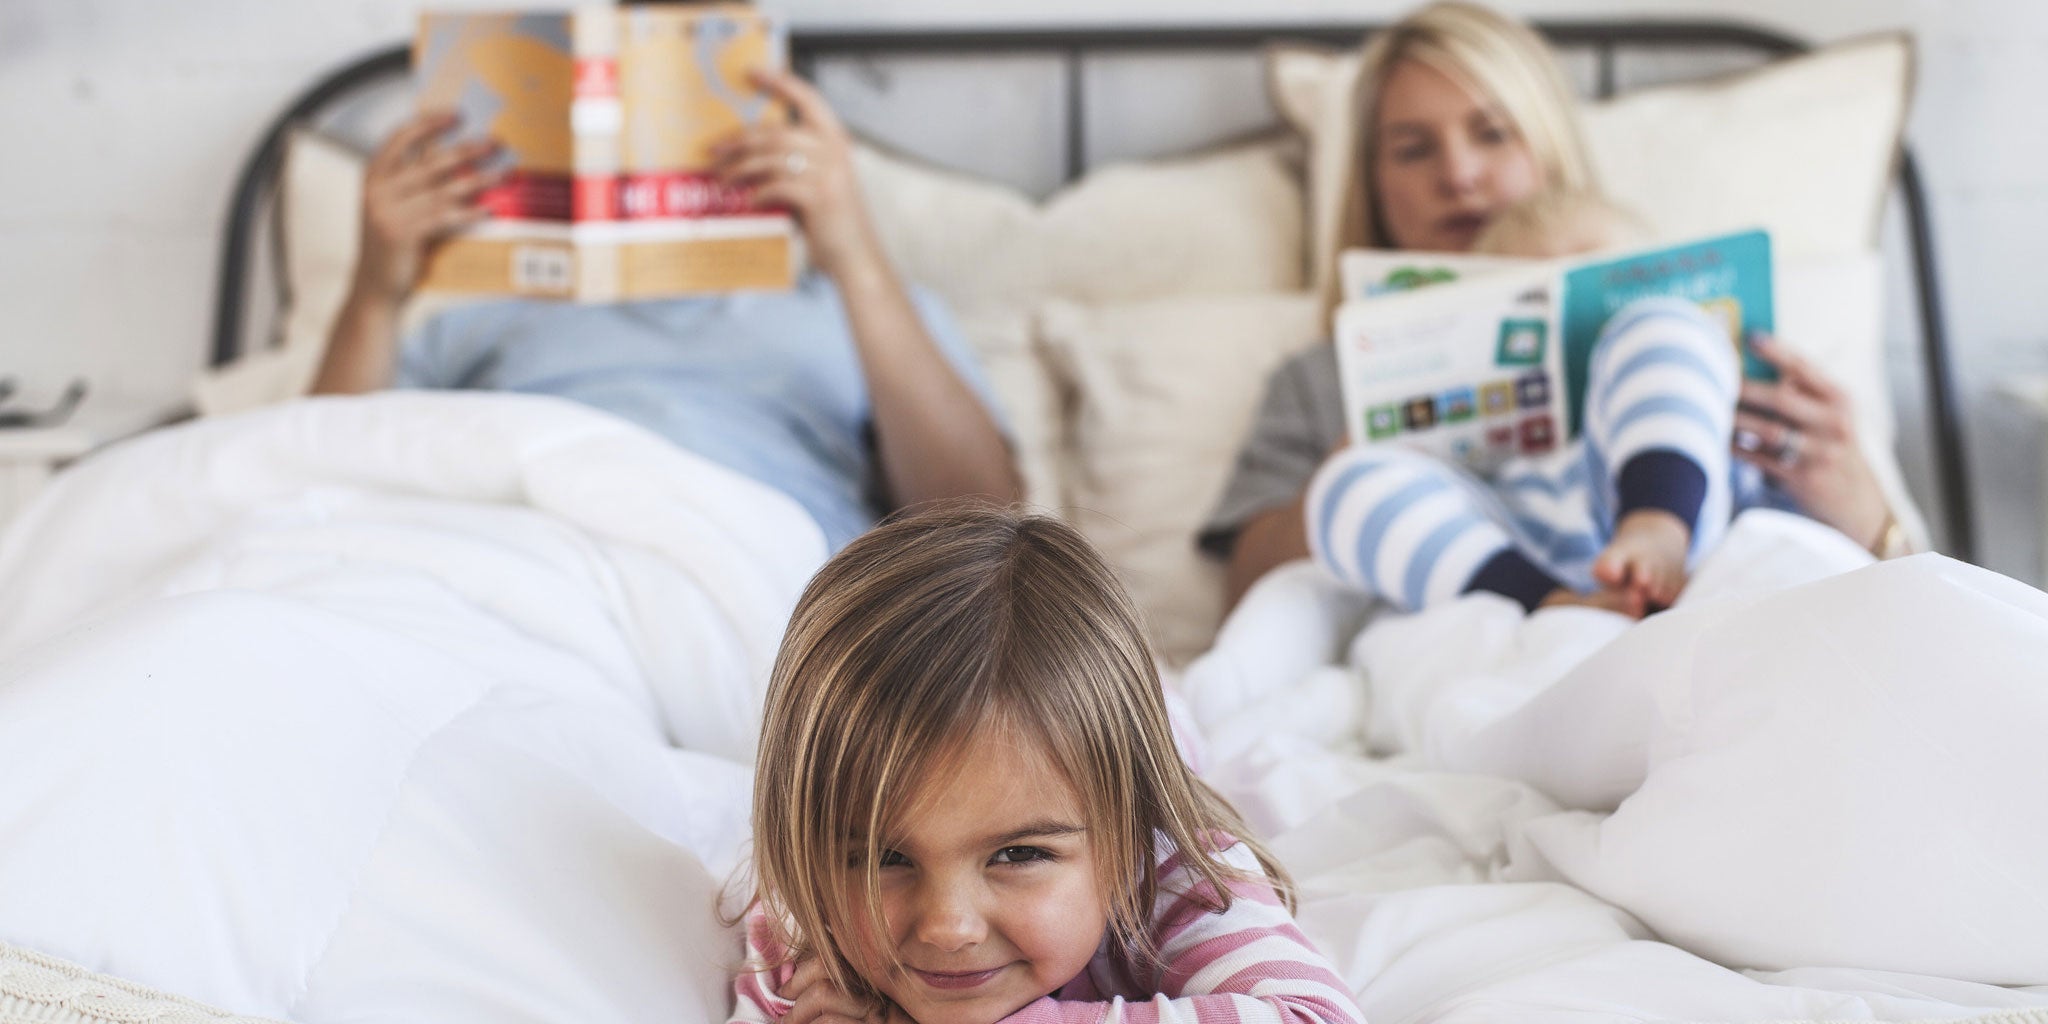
x=956 y=980
x=989 y=888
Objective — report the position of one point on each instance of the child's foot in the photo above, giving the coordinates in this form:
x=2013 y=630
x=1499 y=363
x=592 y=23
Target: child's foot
x=1646 y=557
x=1621 y=601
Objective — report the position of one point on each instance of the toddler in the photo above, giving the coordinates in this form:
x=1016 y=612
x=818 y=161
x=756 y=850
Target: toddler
x=1614 y=520
x=969 y=806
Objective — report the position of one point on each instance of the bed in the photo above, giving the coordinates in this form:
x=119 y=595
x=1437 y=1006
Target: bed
x=437 y=706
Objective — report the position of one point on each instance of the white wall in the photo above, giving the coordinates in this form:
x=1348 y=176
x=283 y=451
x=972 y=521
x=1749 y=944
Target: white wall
x=127 y=119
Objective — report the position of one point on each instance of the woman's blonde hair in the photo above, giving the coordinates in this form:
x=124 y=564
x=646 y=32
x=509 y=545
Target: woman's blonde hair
x=907 y=644
x=1492 y=55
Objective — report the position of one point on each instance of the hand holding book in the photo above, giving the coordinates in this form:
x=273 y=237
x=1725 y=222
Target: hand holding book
x=416 y=190
x=807 y=168
x=1800 y=432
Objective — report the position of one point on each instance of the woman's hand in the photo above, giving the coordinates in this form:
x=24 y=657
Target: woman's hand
x=1800 y=432
x=818 y=1001
x=808 y=168
x=416 y=190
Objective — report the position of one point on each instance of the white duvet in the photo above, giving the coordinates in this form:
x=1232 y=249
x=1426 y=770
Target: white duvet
x=410 y=707
x=437 y=707
x=1818 y=790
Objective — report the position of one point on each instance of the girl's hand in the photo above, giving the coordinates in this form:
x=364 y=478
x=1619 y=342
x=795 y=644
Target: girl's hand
x=1799 y=431
x=416 y=190
x=818 y=1001
x=808 y=168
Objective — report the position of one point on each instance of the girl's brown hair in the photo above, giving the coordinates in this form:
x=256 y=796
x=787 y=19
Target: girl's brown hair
x=928 y=628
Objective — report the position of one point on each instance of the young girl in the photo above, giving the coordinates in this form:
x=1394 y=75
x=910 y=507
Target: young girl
x=969 y=806
x=1614 y=520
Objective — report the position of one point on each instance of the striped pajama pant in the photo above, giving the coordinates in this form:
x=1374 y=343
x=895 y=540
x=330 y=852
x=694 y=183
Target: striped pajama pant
x=1414 y=530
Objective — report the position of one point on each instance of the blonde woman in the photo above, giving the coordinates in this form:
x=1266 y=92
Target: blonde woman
x=1463 y=113
x=969 y=806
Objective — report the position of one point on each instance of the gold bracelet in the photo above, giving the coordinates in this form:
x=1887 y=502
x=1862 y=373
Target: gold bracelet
x=1891 y=541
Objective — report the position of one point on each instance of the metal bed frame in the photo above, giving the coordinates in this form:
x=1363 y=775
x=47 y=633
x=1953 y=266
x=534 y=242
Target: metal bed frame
x=258 y=180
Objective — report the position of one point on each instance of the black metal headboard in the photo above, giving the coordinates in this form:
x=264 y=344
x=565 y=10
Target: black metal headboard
x=257 y=184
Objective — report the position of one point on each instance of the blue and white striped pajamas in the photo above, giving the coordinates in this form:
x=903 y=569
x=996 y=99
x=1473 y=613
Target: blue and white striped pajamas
x=1415 y=530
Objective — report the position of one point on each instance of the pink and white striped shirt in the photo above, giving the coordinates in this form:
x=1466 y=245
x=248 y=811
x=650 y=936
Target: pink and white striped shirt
x=1247 y=965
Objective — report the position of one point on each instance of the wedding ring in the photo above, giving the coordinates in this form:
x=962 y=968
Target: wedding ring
x=795 y=164
x=1788 y=451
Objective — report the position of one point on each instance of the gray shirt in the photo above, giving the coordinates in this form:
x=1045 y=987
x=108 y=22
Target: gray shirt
x=1300 y=421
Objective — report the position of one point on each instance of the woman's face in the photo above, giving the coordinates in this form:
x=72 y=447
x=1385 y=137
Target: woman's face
x=1445 y=160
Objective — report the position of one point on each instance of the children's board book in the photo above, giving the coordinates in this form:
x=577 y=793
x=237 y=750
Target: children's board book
x=606 y=116
x=1481 y=359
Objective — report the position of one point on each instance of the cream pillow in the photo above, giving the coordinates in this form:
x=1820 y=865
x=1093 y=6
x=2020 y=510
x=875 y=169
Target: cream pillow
x=1804 y=146
x=964 y=238
x=320 y=203
x=1230 y=220
x=1165 y=391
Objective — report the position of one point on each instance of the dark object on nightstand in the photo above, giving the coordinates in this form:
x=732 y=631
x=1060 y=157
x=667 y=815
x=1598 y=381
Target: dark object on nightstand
x=53 y=416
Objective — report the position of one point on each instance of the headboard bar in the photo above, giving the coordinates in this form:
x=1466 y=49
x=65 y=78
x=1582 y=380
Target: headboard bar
x=258 y=179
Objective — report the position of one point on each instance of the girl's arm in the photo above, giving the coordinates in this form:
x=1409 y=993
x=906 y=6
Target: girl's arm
x=1249 y=964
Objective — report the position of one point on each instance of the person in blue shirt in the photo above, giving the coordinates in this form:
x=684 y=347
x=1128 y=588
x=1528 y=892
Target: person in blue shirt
x=848 y=393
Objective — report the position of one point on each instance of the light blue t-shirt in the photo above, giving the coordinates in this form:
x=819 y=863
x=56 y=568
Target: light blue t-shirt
x=766 y=383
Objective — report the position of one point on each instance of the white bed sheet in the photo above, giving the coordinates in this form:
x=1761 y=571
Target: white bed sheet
x=437 y=706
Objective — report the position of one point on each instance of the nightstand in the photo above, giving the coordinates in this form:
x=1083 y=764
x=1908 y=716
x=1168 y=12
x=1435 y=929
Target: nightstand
x=29 y=456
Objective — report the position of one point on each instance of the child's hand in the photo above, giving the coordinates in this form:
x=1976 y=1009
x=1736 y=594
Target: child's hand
x=819 y=1001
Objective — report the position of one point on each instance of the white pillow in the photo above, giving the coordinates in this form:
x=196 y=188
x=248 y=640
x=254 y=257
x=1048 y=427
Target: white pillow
x=1804 y=146
x=1846 y=773
x=1165 y=391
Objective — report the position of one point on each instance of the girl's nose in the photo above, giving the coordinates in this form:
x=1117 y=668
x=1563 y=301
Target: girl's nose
x=949 y=920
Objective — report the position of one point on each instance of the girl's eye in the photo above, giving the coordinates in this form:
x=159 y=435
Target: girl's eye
x=1410 y=154
x=856 y=859
x=1492 y=134
x=1021 y=855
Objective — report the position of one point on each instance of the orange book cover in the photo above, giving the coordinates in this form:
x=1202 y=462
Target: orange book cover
x=606 y=116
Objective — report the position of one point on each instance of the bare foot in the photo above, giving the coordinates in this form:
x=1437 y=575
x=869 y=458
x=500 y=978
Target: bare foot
x=1646 y=557
x=1620 y=600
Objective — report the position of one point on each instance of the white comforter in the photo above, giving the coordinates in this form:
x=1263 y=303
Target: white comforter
x=1822 y=792
x=437 y=707
x=411 y=707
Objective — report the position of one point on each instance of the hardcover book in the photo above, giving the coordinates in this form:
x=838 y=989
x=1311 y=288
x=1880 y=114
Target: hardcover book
x=606 y=117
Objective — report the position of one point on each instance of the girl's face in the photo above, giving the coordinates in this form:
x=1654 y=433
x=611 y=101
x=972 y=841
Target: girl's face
x=1445 y=160
x=989 y=890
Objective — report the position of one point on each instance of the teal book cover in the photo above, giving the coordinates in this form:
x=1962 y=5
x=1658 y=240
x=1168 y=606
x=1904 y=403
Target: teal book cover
x=1728 y=276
